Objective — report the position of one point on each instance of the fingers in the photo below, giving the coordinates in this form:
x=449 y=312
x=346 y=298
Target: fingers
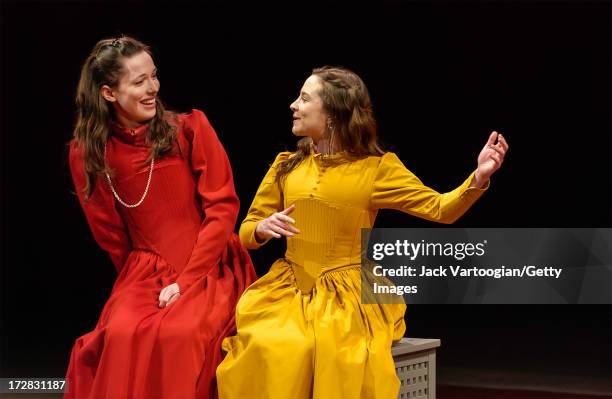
x=289 y=210
x=285 y=222
x=501 y=146
x=492 y=138
x=502 y=142
x=162 y=298
x=285 y=218
x=498 y=149
x=288 y=229
x=168 y=295
x=292 y=229
x=278 y=225
x=162 y=301
x=277 y=230
x=281 y=230
x=267 y=229
x=273 y=234
x=495 y=153
x=497 y=158
x=173 y=298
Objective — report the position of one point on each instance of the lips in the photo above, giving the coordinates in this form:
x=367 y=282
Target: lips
x=149 y=101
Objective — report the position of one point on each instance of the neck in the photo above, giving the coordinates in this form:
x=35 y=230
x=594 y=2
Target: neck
x=127 y=123
x=323 y=146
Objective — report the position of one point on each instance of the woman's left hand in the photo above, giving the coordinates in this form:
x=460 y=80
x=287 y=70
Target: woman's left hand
x=169 y=294
x=490 y=158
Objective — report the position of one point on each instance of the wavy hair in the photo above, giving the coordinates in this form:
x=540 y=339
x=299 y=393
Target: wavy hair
x=94 y=115
x=353 y=128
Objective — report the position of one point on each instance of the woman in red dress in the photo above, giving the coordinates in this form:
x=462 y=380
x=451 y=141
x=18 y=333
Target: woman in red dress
x=158 y=194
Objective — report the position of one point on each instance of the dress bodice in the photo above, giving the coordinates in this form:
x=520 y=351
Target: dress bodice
x=332 y=205
x=171 y=232
x=189 y=211
x=335 y=199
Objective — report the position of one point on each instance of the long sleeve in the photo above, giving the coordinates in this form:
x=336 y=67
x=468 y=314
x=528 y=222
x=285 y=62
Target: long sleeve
x=103 y=218
x=268 y=200
x=395 y=187
x=215 y=186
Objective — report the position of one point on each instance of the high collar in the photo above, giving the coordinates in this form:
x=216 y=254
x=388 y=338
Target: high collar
x=316 y=154
x=137 y=136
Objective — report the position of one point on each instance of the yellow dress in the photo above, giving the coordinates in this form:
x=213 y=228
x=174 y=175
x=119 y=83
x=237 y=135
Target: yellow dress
x=302 y=329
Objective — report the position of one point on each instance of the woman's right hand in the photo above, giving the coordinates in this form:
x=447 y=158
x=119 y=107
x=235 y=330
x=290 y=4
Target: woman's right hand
x=277 y=225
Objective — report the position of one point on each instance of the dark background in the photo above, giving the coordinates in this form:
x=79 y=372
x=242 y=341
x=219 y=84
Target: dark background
x=442 y=75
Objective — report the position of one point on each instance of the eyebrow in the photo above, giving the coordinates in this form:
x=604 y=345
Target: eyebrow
x=143 y=74
x=305 y=93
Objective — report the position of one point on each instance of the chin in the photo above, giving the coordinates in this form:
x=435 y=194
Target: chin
x=299 y=132
x=145 y=117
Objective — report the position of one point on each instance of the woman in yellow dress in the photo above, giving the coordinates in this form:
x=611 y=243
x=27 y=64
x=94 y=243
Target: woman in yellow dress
x=302 y=329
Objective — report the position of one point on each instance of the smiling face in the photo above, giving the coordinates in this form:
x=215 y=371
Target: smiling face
x=309 y=117
x=134 y=96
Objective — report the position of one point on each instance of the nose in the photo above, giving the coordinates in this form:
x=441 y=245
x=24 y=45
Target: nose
x=293 y=106
x=153 y=87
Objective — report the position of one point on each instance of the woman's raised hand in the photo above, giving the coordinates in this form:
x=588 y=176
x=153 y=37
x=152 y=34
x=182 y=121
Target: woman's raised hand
x=277 y=225
x=490 y=158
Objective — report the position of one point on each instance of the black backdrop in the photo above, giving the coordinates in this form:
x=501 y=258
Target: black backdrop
x=442 y=75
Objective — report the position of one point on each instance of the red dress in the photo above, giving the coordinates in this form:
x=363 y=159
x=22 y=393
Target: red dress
x=182 y=232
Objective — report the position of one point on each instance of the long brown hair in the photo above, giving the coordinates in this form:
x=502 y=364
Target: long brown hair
x=94 y=115
x=353 y=128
